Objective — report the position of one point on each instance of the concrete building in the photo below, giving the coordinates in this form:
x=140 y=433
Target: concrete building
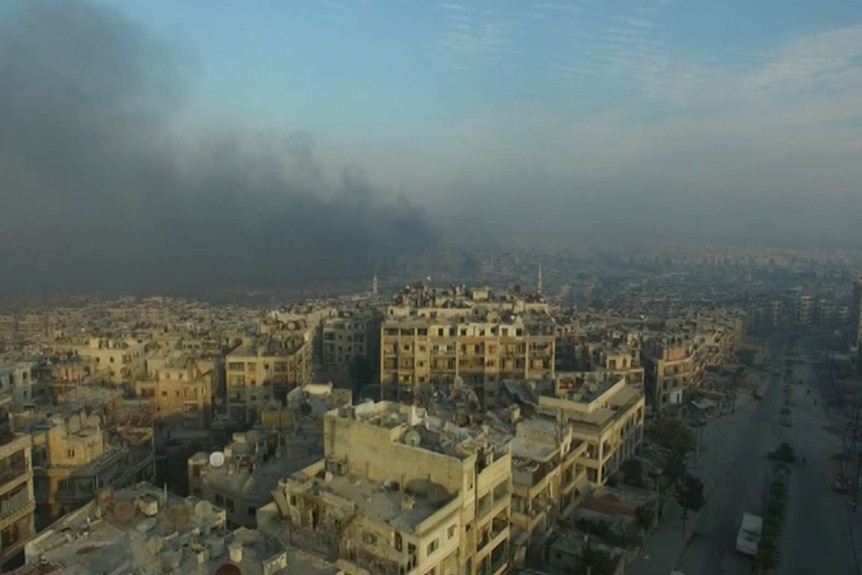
x=181 y=390
x=605 y=414
x=547 y=476
x=17 y=503
x=805 y=311
x=76 y=455
x=116 y=360
x=346 y=339
x=400 y=492
x=241 y=480
x=20 y=380
x=145 y=530
x=477 y=336
x=264 y=368
x=288 y=438
x=672 y=367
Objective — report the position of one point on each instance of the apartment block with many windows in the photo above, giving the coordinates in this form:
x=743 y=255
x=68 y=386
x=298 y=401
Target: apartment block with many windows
x=475 y=336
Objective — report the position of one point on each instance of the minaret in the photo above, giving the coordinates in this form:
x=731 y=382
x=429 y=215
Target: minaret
x=374 y=285
x=539 y=280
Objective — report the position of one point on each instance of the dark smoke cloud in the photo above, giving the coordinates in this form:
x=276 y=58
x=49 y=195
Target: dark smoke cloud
x=99 y=192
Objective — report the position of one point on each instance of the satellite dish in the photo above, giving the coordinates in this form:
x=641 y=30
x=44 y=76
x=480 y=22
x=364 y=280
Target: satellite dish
x=204 y=509
x=228 y=569
x=216 y=459
x=412 y=438
x=305 y=409
x=124 y=511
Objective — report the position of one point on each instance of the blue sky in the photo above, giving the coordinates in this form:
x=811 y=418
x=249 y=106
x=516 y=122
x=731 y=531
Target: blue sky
x=395 y=67
x=442 y=96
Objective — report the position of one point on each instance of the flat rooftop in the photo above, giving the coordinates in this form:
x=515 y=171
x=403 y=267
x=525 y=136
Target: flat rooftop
x=379 y=501
x=144 y=532
x=434 y=433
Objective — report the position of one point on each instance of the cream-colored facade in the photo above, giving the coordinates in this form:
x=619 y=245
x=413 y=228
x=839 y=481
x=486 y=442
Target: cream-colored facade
x=475 y=335
x=547 y=476
x=75 y=455
x=672 y=367
x=181 y=390
x=401 y=493
x=117 y=361
x=17 y=504
x=257 y=371
x=608 y=416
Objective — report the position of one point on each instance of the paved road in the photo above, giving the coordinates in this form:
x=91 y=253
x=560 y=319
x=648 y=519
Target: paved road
x=733 y=468
x=819 y=529
x=817 y=536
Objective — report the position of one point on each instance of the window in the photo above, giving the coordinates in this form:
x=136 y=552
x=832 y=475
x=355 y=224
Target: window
x=450 y=533
x=70 y=452
x=252 y=511
x=433 y=546
x=229 y=505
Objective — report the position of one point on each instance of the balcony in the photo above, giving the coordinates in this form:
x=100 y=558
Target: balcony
x=16 y=502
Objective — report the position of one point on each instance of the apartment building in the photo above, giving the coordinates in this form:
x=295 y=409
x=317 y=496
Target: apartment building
x=20 y=380
x=672 y=367
x=17 y=503
x=242 y=476
x=345 y=338
x=116 y=360
x=547 y=478
x=181 y=390
x=400 y=492
x=475 y=336
x=65 y=368
x=606 y=414
x=265 y=368
x=75 y=455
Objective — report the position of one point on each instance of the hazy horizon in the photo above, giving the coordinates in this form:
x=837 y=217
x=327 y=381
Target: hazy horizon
x=145 y=143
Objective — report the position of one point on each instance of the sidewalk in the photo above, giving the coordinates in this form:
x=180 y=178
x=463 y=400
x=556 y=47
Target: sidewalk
x=664 y=548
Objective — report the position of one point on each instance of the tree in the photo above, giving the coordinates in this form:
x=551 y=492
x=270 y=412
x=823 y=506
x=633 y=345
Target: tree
x=673 y=434
x=690 y=496
x=645 y=514
x=674 y=468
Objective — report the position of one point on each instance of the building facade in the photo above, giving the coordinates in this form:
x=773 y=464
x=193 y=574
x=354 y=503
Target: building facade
x=401 y=493
x=475 y=336
x=17 y=503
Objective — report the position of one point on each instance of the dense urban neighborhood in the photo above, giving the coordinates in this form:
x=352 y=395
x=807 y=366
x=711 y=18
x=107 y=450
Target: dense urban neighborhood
x=446 y=428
